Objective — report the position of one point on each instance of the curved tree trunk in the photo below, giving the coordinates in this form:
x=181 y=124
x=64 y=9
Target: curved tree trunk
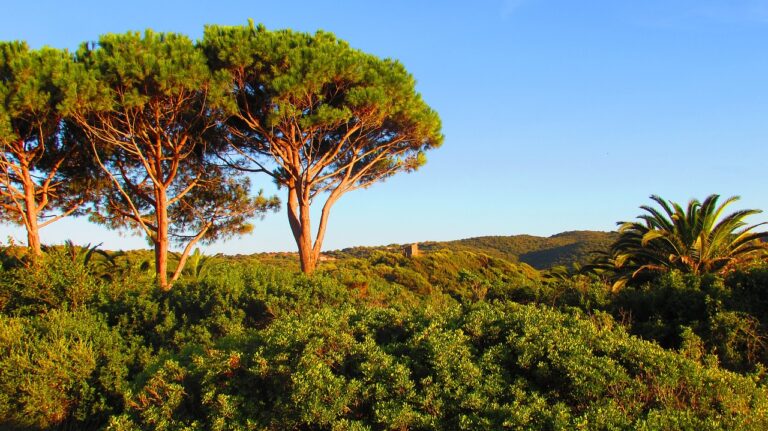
x=301 y=227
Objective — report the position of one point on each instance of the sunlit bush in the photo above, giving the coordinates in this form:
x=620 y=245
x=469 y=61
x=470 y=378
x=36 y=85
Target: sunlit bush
x=60 y=368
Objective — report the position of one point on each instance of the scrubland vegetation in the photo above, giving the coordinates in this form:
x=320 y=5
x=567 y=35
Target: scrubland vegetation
x=664 y=328
x=446 y=340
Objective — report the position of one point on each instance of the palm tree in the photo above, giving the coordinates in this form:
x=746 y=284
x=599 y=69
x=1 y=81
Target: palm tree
x=97 y=262
x=697 y=239
x=197 y=266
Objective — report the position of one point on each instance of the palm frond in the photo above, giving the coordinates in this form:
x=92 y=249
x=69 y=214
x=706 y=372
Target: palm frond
x=697 y=239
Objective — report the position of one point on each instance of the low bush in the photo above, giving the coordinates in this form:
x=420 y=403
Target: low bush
x=55 y=281
x=61 y=368
x=382 y=342
x=486 y=366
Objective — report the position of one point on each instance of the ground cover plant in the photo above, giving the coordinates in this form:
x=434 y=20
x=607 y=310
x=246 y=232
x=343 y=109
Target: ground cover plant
x=249 y=344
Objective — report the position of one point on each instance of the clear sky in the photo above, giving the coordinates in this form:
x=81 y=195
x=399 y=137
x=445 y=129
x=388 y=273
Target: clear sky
x=558 y=114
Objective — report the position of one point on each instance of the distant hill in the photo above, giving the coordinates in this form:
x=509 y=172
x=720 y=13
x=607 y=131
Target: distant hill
x=540 y=252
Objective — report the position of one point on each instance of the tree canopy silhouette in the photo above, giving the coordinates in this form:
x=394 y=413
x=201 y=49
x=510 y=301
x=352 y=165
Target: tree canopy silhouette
x=319 y=117
x=42 y=174
x=150 y=106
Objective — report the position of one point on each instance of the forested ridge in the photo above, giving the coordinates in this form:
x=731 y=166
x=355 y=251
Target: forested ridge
x=562 y=249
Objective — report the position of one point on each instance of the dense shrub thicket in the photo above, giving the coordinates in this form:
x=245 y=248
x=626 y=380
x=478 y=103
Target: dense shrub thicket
x=449 y=340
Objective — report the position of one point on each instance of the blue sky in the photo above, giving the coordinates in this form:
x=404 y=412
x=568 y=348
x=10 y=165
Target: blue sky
x=558 y=115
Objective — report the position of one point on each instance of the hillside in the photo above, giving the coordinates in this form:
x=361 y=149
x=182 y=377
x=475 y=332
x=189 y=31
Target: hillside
x=563 y=248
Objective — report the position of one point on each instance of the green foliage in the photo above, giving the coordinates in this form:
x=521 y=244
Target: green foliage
x=720 y=318
x=160 y=403
x=389 y=342
x=61 y=368
x=229 y=300
x=738 y=339
x=197 y=265
x=322 y=84
x=749 y=293
x=696 y=240
x=566 y=248
x=153 y=110
x=135 y=71
x=160 y=85
x=43 y=173
x=463 y=274
x=28 y=92
x=58 y=280
x=488 y=366
x=319 y=117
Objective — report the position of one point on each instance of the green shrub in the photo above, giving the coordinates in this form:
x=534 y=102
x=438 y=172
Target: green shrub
x=64 y=367
x=386 y=342
x=487 y=366
x=749 y=292
x=56 y=281
x=738 y=339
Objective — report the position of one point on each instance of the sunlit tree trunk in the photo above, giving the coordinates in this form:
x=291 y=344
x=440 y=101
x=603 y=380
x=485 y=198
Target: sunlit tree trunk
x=161 y=240
x=31 y=209
x=301 y=227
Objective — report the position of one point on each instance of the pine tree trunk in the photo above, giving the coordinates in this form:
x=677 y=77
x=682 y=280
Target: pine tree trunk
x=33 y=231
x=161 y=240
x=306 y=254
x=301 y=227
